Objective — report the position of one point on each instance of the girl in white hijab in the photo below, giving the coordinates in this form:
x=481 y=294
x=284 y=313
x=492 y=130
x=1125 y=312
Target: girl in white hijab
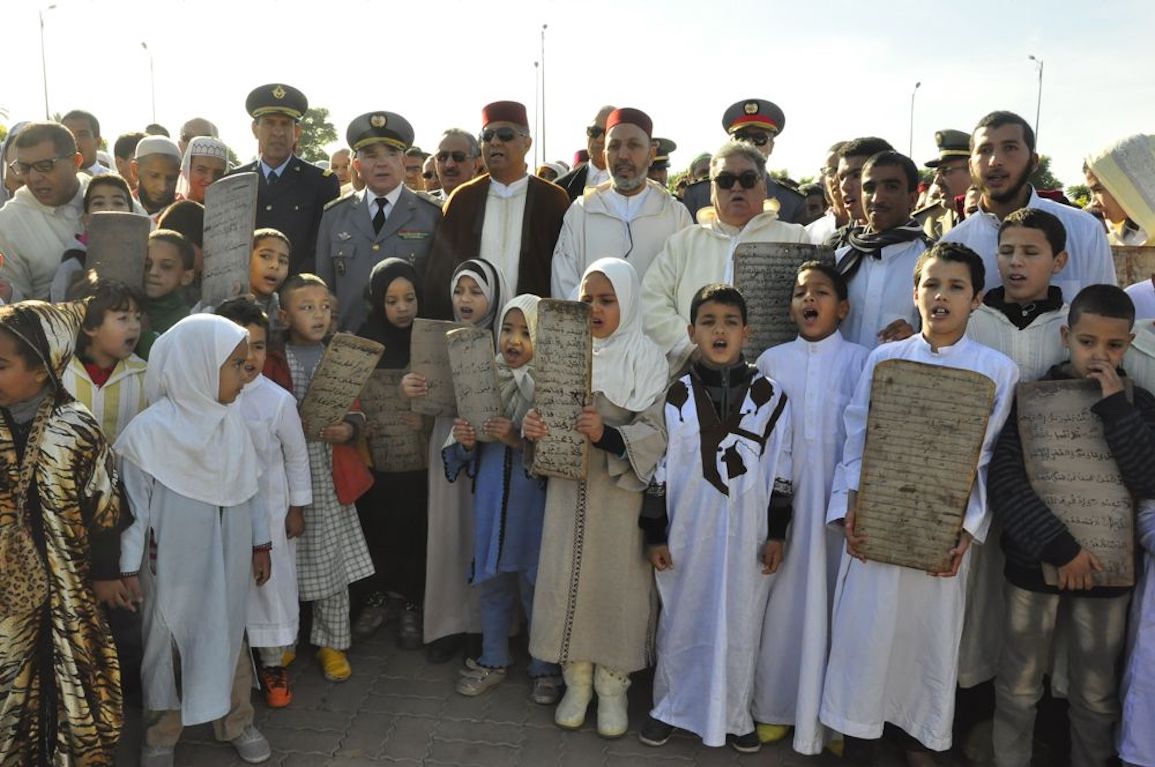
x=206 y=160
x=198 y=537
x=594 y=609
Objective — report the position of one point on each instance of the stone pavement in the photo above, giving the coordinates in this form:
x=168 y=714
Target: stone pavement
x=400 y=710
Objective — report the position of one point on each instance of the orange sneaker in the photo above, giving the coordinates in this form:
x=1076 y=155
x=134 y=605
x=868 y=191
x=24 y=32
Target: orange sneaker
x=334 y=664
x=275 y=683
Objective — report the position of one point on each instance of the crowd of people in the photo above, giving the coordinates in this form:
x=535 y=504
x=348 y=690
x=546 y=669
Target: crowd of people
x=167 y=526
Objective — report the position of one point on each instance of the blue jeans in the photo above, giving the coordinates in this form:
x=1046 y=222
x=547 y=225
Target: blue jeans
x=498 y=598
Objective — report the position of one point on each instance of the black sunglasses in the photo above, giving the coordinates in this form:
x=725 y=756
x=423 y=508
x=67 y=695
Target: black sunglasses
x=755 y=137
x=595 y=131
x=505 y=134
x=747 y=178
x=457 y=156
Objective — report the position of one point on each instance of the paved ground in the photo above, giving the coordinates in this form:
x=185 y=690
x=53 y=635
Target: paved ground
x=400 y=710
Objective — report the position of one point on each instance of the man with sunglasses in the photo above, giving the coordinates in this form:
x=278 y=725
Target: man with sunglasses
x=458 y=159
x=757 y=122
x=593 y=171
x=629 y=217
x=952 y=177
x=507 y=216
x=429 y=178
x=42 y=219
x=703 y=254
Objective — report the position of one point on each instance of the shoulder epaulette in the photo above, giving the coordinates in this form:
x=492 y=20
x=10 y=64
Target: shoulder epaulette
x=423 y=195
x=338 y=200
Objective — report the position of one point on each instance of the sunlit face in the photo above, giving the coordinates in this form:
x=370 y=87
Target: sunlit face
x=830 y=178
x=469 y=301
x=276 y=136
x=164 y=270
x=413 y=178
x=115 y=337
x=455 y=165
x=719 y=333
x=103 y=197
x=18 y=381
x=505 y=159
x=850 y=185
x=12 y=182
x=401 y=303
x=87 y=140
x=815 y=306
x=1104 y=200
x=202 y=172
x=952 y=177
x=341 y=163
x=596 y=139
x=429 y=174
x=628 y=155
x=268 y=266
x=945 y=298
x=605 y=311
x=258 y=350
x=1000 y=162
x=307 y=312
x=1027 y=263
x=381 y=166
x=156 y=175
x=515 y=342
x=886 y=197
x=53 y=187
x=232 y=374
x=737 y=205
x=1096 y=342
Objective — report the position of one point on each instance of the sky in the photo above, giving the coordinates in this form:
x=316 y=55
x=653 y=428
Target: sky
x=838 y=69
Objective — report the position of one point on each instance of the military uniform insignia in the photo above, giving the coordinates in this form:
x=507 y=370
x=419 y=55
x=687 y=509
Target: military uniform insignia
x=340 y=265
x=408 y=234
x=378 y=121
x=278 y=92
x=327 y=172
x=751 y=108
x=342 y=236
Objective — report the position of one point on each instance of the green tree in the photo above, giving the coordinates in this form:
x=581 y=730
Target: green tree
x=1042 y=178
x=316 y=133
x=1080 y=194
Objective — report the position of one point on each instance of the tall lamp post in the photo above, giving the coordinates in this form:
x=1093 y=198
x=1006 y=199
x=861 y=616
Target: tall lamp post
x=536 y=110
x=1039 y=98
x=910 y=142
x=151 y=76
x=544 y=154
x=44 y=62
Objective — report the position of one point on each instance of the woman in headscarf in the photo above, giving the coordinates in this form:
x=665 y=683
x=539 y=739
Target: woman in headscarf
x=60 y=521
x=205 y=160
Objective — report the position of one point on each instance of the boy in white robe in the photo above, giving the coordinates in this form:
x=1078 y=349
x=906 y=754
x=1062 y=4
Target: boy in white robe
x=818 y=371
x=894 y=630
x=715 y=517
x=270 y=412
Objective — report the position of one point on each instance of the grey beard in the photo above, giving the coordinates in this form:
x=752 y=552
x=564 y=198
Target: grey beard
x=629 y=184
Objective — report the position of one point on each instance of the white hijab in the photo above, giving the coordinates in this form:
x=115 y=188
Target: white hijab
x=516 y=384
x=629 y=368
x=185 y=438
x=201 y=146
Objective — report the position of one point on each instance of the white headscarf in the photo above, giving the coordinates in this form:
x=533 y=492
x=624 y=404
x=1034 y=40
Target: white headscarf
x=186 y=439
x=629 y=368
x=201 y=146
x=516 y=384
x=492 y=285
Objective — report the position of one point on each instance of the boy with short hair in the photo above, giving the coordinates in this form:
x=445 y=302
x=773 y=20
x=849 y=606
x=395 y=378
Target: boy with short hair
x=285 y=487
x=331 y=552
x=714 y=518
x=818 y=371
x=1097 y=335
x=888 y=619
x=268 y=268
x=106 y=192
x=168 y=269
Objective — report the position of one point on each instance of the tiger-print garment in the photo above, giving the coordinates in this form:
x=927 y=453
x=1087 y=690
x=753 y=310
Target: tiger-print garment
x=64 y=650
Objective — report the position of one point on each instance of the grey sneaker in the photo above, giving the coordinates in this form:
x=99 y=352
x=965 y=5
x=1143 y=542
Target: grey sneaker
x=156 y=756
x=251 y=746
x=372 y=617
x=475 y=681
x=546 y=690
x=409 y=634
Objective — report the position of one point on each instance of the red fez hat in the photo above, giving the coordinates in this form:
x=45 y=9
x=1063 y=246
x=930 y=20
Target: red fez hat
x=630 y=116
x=504 y=111
x=581 y=156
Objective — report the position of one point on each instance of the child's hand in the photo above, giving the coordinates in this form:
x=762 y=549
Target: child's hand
x=135 y=595
x=956 y=555
x=895 y=331
x=294 y=522
x=1108 y=378
x=413 y=385
x=337 y=434
x=1079 y=573
x=590 y=423
x=534 y=427
x=262 y=566
x=503 y=430
x=464 y=433
x=114 y=594
x=772 y=554
x=854 y=541
x=659 y=557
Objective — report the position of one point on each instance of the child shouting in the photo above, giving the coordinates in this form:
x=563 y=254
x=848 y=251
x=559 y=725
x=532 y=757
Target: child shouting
x=268 y=268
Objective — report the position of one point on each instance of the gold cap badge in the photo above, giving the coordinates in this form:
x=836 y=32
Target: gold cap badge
x=377 y=121
x=278 y=92
x=751 y=108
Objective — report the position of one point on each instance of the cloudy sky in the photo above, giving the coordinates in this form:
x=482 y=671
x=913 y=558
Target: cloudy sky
x=837 y=68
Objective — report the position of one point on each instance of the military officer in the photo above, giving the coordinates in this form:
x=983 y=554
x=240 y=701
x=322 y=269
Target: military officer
x=952 y=177
x=660 y=167
x=385 y=219
x=758 y=122
x=291 y=193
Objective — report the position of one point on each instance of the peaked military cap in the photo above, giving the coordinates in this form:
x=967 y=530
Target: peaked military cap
x=277 y=98
x=952 y=145
x=757 y=113
x=379 y=128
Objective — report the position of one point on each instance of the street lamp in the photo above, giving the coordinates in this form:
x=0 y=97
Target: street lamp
x=151 y=76
x=544 y=154
x=910 y=143
x=536 y=108
x=1039 y=100
x=44 y=61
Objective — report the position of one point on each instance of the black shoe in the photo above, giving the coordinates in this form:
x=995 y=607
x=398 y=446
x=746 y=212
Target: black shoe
x=444 y=649
x=746 y=744
x=656 y=732
x=409 y=632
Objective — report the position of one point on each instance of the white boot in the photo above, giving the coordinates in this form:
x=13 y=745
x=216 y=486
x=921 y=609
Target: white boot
x=613 y=707
x=571 y=712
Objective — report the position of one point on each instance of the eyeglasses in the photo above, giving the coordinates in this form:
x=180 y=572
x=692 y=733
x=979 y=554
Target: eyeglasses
x=40 y=166
x=755 y=137
x=747 y=178
x=595 y=131
x=444 y=156
x=505 y=134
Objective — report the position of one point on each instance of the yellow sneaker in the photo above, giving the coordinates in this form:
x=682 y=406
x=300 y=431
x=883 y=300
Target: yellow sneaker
x=288 y=657
x=772 y=733
x=334 y=664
